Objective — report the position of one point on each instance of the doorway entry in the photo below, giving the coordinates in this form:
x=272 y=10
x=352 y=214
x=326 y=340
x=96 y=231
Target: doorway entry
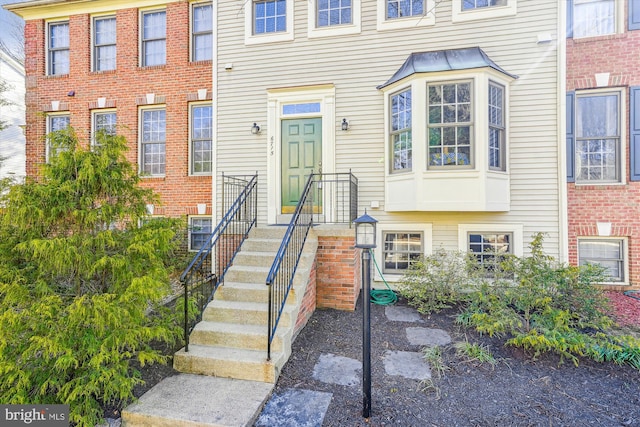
x=301 y=155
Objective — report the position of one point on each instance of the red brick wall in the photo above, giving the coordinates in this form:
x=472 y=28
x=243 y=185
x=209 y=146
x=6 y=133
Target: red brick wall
x=177 y=82
x=338 y=274
x=617 y=204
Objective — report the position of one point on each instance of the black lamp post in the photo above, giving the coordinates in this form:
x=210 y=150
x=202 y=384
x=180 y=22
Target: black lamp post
x=366 y=240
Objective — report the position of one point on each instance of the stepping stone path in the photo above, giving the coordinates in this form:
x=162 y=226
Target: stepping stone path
x=299 y=407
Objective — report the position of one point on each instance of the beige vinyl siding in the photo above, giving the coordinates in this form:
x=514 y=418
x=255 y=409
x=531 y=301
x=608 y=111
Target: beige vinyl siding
x=356 y=64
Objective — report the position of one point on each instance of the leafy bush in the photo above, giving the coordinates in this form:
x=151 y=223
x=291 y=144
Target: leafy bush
x=81 y=281
x=438 y=281
x=534 y=302
x=549 y=307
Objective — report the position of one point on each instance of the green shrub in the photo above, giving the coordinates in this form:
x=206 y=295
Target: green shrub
x=549 y=307
x=438 y=281
x=82 y=281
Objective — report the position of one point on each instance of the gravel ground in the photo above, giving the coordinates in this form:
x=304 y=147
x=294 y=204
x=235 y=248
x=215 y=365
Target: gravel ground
x=516 y=391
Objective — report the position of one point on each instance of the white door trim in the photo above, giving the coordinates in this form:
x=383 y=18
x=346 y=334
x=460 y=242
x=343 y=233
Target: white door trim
x=276 y=99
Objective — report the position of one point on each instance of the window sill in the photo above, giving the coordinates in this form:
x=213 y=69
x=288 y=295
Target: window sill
x=103 y=72
x=151 y=177
x=592 y=39
x=57 y=76
x=152 y=67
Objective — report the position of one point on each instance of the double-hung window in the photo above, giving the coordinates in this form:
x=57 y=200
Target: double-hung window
x=202 y=32
x=496 y=127
x=404 y=8
x=450 y=124
x=401 y=143
x=608 y=253
x=269 y=16
x=55 y=123
x=470 y=10
x=153 y=142
x=154 y=38
x=401 y=250
x=104 y=43
x=593 y=18
x=597 y=127
x=334 y=12
x=104 y=124
x=58 y=48
x=477 y=4
x=201 y=139
x=199 y=232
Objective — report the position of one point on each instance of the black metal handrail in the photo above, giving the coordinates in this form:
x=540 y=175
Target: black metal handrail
x=207 y=269
x=326 y=198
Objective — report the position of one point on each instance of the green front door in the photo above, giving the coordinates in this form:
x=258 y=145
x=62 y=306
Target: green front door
x=301 y=155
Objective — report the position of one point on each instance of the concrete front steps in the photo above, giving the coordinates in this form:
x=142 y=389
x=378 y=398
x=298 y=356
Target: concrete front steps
x=228 y=348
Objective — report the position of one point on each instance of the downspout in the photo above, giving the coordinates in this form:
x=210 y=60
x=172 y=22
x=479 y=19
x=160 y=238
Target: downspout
x=215 y=216
x=563 y=229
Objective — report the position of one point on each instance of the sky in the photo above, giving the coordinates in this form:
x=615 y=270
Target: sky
x=7 y=21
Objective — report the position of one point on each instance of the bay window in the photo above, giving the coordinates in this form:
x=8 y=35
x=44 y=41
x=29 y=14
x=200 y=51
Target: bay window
x=447 y=133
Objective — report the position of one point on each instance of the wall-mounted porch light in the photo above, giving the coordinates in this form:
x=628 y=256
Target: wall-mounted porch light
x=345 y=124
x=255 y=129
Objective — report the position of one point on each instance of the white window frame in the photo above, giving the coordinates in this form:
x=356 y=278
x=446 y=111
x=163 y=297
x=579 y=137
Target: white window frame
x=192 y=51
x=499 y=127
x=314 y=30
x=392 y=133
x=141 y=164
x=191 y=218
x=94 y=127
x=622 y=157
x=251 y=39
x=49 y=129
x=143 y=40
x=49 y=61
x=426 y=229
x=473 y=104
x=191 y=156
x=491 y=12
x=516 y=230
x=384 y=24
x=625 y=256
x=480 y=82
x=95 y=46
x=618 y=21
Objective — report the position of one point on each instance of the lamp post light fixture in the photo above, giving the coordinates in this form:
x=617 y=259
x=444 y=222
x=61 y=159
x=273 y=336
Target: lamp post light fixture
x=366 y=240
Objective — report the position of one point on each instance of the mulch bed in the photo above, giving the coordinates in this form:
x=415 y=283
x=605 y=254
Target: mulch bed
x=626 y=309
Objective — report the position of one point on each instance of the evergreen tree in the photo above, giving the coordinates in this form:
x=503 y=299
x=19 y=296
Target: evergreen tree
x=81 y=269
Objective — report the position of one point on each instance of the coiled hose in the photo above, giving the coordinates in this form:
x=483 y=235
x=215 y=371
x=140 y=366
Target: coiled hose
x=382 y=296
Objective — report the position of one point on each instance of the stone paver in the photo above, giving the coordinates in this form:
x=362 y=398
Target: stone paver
x=340 y=370
x=402 y=314
x=295 y=408
x=407 y=364
x=428 y=337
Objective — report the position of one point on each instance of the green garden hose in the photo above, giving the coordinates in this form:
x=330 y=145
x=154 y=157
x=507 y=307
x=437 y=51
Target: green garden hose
x=382 y=296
